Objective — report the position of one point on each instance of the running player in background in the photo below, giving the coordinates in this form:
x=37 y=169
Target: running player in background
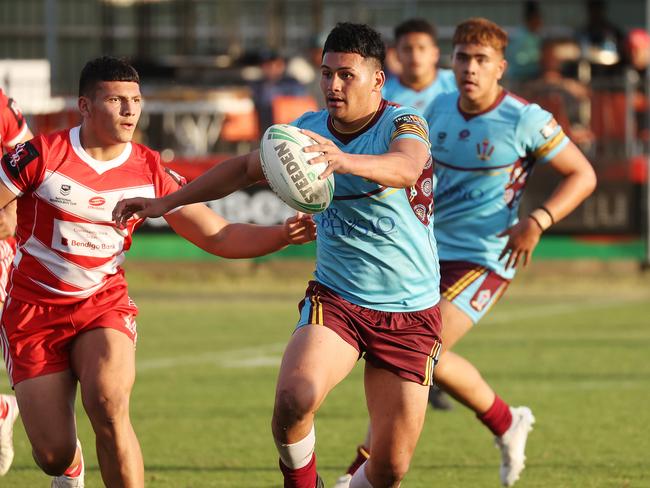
x=485 y=144
x=420 y=81
x=418 y=85
x=13 y=130
x=68 y=317
x=375 y=291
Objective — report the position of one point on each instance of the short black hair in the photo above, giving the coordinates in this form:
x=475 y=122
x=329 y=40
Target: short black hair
x=415 y=26
x=105 y=68
x=360 y=39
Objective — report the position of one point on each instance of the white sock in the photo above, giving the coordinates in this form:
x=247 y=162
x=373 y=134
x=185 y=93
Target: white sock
x=298 y=455
x=359 y=479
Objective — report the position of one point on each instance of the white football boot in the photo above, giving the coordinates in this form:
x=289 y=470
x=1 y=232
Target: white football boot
x=513 y=445
x=6 y=434
x=64 y=481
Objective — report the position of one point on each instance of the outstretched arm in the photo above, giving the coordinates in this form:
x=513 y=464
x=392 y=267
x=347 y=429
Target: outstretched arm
x=214 y=234
x=221 y=180
x=400 y=167
x=578 y=182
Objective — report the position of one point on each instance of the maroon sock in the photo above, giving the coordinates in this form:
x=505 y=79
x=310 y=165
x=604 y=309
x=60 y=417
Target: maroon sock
x=304 y=477
x=362 y=456
x=497 y=418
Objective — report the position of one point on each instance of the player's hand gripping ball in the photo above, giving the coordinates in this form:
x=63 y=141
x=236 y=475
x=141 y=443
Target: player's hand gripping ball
x=289 y=173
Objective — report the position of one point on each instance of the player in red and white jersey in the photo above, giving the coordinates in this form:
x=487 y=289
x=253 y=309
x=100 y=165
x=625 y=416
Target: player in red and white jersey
x=13 y=129
x=68 y=317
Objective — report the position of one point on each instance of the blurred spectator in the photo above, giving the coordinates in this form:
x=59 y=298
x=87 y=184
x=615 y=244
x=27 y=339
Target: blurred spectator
x=564 y=97
x=523 y=53
x=275 y=82
x=637 y=44
x=601 y=41
x=638 y=49
x=307 y=70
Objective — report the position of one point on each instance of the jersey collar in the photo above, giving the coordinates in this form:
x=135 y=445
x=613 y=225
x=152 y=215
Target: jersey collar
x=495 y=104
x=100 y=167
x=348 y=137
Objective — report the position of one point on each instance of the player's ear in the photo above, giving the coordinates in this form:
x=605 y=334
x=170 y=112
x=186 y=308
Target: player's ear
x=436 y=54
x=83 y=103
x=380 y=79
x=502 y=65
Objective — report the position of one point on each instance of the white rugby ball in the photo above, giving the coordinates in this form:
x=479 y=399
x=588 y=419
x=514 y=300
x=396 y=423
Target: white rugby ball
x=289 y=173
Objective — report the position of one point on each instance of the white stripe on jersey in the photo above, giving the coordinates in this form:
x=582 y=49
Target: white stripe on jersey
x=75 y=198
x=87 y=280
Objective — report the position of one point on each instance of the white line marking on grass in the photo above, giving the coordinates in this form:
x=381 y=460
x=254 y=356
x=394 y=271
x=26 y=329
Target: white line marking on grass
x=265 y=355
x=556 y=309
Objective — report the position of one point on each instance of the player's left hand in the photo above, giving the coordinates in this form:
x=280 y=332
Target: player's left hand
x=522 y=240
x=337 y=161
x=300 y=229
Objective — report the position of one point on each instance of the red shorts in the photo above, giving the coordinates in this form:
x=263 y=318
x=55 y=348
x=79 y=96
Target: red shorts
x=36 y=339
x=406 y=343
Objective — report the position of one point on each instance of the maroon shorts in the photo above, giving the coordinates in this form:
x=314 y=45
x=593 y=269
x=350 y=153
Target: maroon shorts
x=473 y=288
x=36 y=339
x=405 y=343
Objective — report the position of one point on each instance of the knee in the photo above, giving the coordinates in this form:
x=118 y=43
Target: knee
x=107 y=409
x=389 y=473
x=294 y=402
x=54 y=460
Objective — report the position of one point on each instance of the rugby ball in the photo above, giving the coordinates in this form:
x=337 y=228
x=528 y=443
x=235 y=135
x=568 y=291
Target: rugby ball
x=289 y=173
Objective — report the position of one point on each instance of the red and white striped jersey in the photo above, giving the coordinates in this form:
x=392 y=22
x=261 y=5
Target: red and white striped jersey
x=13 y=129
x=13 y=126
x=68 y=245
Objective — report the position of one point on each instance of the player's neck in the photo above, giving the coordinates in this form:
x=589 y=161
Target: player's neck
x=98 y=149
x=481 y=104
x=419 y=83
x=357 y=124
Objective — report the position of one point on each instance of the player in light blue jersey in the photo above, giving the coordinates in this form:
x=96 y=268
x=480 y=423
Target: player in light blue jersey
x=420 y=81
x=485 y=144
x=418 y=85
x=376 y=286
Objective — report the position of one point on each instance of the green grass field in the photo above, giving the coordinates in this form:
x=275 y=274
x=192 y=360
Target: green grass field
x=571 y=343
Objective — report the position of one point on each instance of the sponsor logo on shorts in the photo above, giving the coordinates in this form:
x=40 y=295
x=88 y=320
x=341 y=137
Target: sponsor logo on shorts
x=481 y=299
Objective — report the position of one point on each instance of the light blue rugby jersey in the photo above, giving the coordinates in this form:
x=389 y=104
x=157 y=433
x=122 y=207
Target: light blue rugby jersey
x=482 y=163
x=376 y=246
x=395 y=92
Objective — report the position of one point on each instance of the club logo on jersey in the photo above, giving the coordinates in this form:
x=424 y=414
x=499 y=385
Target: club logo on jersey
x=65 y=190
x=484 y=150
x=16 y=160
x=463 y=134
x=441 y=137
x=97 y=201
x=548 y=130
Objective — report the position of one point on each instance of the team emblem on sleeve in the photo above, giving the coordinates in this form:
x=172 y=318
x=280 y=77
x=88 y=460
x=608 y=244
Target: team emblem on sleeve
x=15 y=161
x=410 y=124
